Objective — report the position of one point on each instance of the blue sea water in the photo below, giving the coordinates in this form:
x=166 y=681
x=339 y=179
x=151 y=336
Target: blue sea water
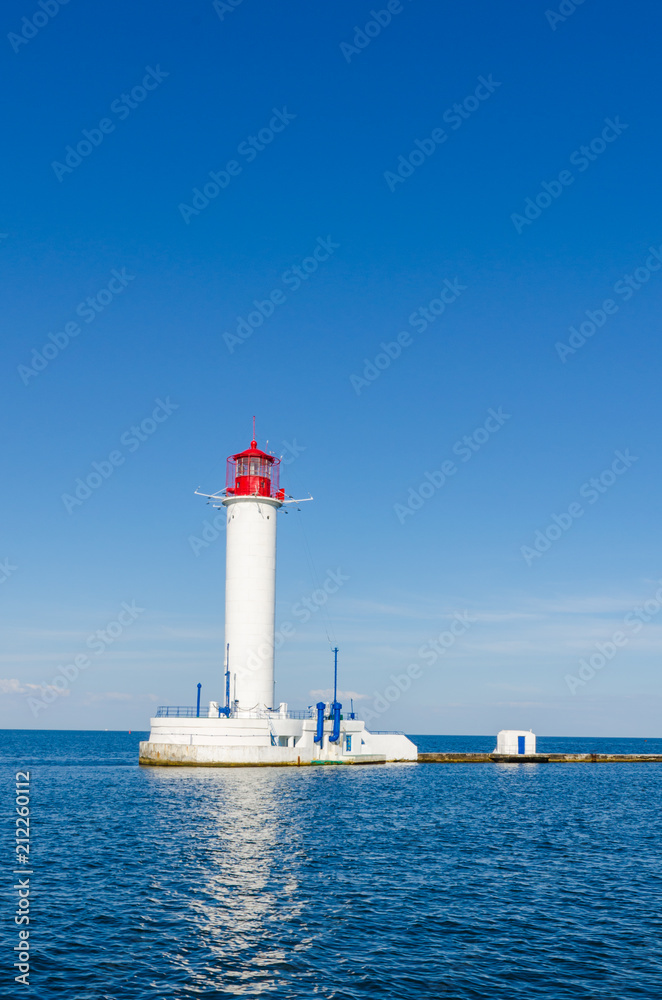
x=402 y=881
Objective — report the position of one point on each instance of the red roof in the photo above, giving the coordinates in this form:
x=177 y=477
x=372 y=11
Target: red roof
x=254 y=452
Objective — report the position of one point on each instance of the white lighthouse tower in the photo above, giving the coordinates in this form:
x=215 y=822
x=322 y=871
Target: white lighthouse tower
x=244 y=727
x=252 y=498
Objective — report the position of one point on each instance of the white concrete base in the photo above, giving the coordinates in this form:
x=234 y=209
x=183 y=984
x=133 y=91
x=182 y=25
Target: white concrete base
x=176 y=754
x=264 y=742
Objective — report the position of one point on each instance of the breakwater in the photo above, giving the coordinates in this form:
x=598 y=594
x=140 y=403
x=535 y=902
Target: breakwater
x=539 y=758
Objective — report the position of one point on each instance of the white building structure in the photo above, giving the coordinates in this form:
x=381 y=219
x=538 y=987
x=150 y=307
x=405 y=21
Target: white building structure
x=252 y=499
x=516 y=741
x=246 y=728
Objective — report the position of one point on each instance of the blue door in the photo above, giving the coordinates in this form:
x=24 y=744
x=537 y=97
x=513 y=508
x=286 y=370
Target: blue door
x=521 y=744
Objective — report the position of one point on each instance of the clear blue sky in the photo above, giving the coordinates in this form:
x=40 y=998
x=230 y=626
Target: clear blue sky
x=334 y=115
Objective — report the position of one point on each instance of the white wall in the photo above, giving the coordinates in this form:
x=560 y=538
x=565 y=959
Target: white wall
x=507 y=741
x=250 y=594
x=238 y=740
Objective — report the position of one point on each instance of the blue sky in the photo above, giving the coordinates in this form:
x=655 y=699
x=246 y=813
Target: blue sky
x=495 y=102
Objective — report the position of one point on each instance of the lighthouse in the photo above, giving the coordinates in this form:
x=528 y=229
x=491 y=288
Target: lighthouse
x=252 y=500
x=244 y=727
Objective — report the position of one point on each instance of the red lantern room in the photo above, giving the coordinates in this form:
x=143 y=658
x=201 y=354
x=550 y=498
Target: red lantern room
x=253 y=473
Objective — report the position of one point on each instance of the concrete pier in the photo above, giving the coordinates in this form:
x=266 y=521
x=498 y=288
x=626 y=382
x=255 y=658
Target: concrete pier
x=276 y=740
x=539 y=758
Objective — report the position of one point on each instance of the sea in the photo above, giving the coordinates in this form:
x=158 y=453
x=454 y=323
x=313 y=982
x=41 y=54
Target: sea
x=458 y=881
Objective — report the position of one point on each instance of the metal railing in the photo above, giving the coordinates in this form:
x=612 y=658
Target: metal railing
x=177 y=712
x=191 y=712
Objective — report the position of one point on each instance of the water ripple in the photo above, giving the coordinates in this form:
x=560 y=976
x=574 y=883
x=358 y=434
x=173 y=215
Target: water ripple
x=457 y=881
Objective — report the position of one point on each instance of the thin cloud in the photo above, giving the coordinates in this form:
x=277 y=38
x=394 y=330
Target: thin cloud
x=327 y=693
x=93 y=699
x=12 y=685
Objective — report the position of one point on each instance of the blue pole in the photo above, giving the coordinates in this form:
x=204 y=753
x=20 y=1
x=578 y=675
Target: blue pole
x=227 y=682
x=335 y=715
x=319 y=735
x=336 y=706
x=335 y=673
x=198 y=708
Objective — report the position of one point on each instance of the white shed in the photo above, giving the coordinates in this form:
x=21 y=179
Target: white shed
x=515 y=741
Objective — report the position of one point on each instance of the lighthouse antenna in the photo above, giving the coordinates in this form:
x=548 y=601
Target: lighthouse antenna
x=253 y=428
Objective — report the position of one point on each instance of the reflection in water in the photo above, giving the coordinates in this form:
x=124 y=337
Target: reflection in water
x=243 y=844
